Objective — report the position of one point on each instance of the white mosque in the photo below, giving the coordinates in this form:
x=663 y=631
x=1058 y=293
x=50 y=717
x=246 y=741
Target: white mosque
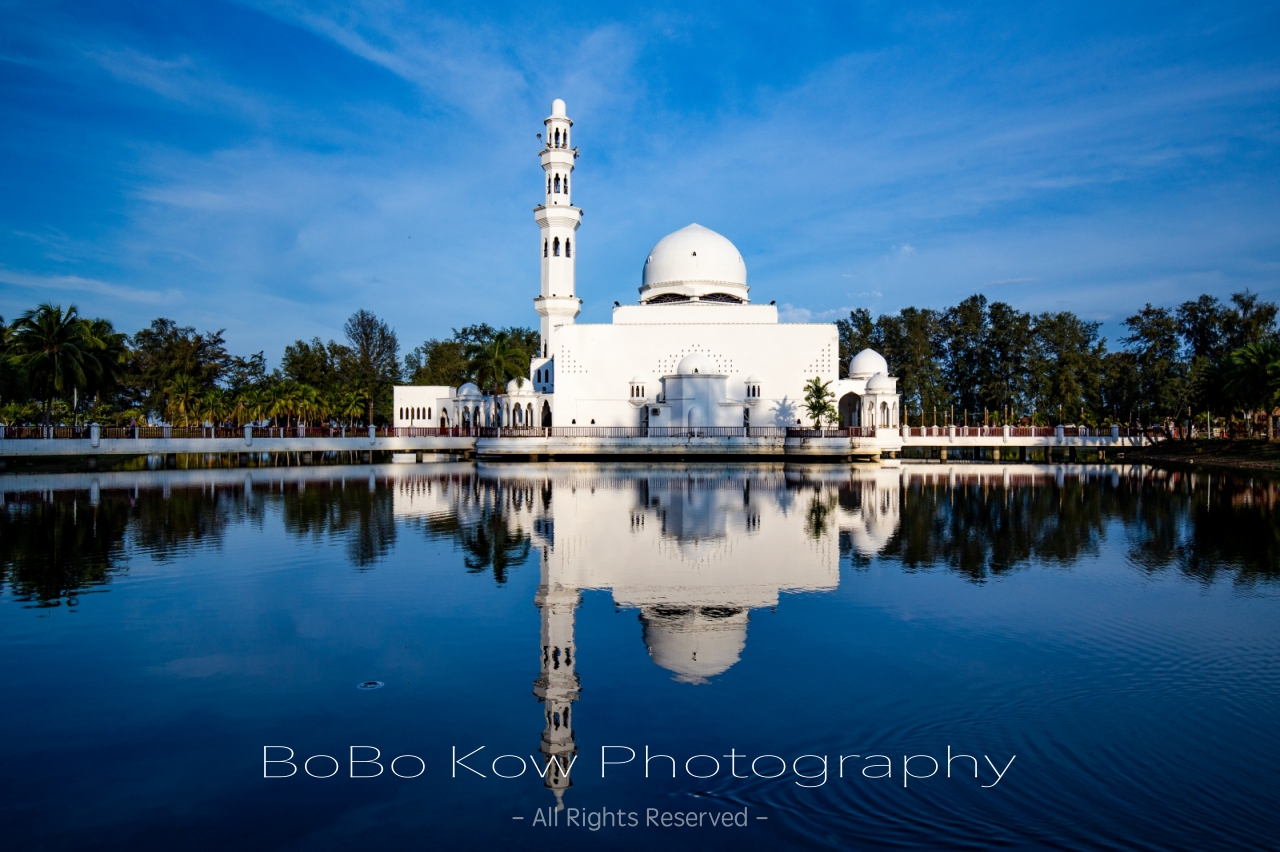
x=695 y=351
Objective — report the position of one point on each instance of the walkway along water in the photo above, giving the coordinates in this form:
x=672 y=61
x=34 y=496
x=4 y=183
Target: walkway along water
x=995 y=443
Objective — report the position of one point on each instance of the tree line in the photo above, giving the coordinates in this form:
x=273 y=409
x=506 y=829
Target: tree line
x=976 y=362
x=987 y=362
x=57 y=367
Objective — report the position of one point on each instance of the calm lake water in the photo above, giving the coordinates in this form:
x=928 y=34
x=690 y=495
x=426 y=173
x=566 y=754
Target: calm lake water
x=1100 y=645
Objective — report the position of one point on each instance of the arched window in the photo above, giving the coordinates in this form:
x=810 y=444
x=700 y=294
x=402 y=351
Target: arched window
x=428 y=414
x=548 y=184
x=568 y=247
x=557 y=138
x=537 y=375
x=566 y=184
x=555 y=246
x=544 y=248
x=557 y=183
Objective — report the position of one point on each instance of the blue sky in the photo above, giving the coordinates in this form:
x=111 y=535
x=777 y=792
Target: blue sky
x=271 y=167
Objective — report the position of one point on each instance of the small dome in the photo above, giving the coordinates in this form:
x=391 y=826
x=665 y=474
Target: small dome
x=868 y=362
x=519 y=386
x=557 y=108
x=469 y=389
x=753 y=379
x=697 y=363
x=638 y=380
x=694 y=261
x=880 y=382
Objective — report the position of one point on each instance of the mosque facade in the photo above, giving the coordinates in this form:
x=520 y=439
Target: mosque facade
x=694 y=351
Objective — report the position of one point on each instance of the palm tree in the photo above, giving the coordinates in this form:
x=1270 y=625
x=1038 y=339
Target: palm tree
x=53 y=351
x=496 y=361
x=238 y=407
x=211 y=406
x=350 y=404
x=184 y=396
x=818 y=400
x=1252 y=378
x=310 y=404
x=109 y=352
x=256 y=403
x=286 y=399
x=8 y=361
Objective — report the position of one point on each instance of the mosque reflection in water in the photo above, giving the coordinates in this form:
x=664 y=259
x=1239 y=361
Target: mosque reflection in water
x=694 y=549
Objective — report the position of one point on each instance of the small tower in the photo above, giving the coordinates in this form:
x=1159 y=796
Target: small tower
x=557 y=303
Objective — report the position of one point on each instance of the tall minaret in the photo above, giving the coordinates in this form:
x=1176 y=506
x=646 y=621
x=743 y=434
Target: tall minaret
x=558 y=221
x=557 y=685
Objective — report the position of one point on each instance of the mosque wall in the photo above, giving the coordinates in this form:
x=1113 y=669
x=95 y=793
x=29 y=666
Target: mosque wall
x=595 y=365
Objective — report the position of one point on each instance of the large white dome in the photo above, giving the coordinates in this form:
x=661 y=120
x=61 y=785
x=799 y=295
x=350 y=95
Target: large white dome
x=694 y=262
x=694 y=643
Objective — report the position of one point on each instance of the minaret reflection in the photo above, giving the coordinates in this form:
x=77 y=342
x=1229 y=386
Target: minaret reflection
x=557 y=685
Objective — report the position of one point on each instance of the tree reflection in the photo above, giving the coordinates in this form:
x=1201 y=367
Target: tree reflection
x=491 y=545
x=53 y=550
x=358 y=513
x=485 y=518
x=1202 y=525
x=979 y=524
x=980 y=530
x=167 y=523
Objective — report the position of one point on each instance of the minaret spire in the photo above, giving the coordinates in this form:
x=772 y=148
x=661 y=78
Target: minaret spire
x=557 y=303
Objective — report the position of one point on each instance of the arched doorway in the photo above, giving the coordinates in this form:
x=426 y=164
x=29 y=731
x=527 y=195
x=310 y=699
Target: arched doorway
x=546 y=413
x=848 y=407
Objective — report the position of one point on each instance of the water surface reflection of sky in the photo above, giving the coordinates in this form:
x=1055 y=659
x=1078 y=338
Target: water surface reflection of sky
x=1114 y=627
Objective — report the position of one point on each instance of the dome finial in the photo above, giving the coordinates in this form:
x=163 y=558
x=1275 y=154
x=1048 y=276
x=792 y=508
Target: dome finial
x=557 y=108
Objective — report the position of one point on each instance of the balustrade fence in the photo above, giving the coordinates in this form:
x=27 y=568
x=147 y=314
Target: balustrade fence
x=152 y=432
x=1024 y=431
x=636 y=432
x=362 y=432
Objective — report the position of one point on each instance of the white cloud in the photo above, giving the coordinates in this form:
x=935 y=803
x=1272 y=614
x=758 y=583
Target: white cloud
x=53 y=287
x=792 y=313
